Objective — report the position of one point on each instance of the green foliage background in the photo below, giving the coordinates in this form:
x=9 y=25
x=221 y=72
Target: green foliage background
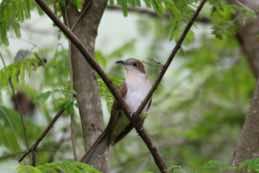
x=197 y=112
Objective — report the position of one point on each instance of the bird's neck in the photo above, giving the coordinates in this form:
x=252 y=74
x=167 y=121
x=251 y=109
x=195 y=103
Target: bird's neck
x=137 y=87
x=135 y=77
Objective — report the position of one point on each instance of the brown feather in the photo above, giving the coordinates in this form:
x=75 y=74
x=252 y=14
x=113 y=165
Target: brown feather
x=129 y=127
x=116 y=116
x=116 y=113
x=107 y=137
x=140 y=66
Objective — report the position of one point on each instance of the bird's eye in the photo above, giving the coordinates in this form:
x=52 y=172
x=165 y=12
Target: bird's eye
x=135 y=64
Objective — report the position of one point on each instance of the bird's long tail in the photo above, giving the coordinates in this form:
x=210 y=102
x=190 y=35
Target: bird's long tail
x=97 y=149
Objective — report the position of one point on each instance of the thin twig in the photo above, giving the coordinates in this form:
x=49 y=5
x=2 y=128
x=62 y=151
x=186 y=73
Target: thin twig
x=43 y=134
x=10 y=155
x=52 y=149
x=57 y=148
x=33 y=158
x=83 y=13
x=150 y=13
x=2 y=59
x=75 y=40
x=73 y=136
x=138 y=10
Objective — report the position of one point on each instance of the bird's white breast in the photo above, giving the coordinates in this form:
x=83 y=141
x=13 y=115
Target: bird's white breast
x=137 y=89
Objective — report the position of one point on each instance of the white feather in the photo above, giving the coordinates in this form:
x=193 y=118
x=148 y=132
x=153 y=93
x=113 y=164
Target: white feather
x=138 y=86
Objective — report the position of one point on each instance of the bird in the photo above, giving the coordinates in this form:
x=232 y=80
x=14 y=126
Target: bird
x=134 y=89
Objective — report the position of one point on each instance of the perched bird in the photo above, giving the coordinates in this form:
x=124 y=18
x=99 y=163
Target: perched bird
x=134 y=89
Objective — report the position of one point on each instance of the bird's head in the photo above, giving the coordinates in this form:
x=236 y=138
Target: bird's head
x=132 y=65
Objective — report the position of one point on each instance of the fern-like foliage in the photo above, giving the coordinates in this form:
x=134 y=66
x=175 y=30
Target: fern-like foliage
x=173 y=8
x=17 y=70
x=12 y=131
x=12 y=13
x=221 y=13
x=251 y=165
x=64 y=167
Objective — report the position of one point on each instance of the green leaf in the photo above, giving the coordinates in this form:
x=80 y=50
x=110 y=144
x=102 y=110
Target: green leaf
x=251 y=165
x=8 y=139
x=27 y=169
x=222 y=19
x=57 y=167
x=18 y=70
x=124 y=5
x=12 y=129
x=10 y=19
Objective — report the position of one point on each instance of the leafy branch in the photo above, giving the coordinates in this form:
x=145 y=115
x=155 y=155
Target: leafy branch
x=67 y=166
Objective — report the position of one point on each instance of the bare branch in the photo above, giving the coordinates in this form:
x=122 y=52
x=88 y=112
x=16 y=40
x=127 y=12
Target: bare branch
x=2 y=59
x=150 y=13
x=34 y=147
x=73 y=135
x=138 y=10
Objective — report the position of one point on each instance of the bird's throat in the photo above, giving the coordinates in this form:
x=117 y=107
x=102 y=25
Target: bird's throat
x=137 y=88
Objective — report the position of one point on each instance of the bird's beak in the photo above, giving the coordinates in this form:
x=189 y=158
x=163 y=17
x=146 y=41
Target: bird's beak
x=121 y=62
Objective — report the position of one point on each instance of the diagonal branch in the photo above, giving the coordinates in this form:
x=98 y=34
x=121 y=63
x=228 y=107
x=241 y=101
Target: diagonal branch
x=34 y=147
x=73 y=135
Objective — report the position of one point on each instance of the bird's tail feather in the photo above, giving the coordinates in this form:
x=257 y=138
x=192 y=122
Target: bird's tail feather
x=97 y=149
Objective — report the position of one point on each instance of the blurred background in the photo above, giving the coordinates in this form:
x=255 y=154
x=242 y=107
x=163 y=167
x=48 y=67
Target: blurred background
x=196 y=115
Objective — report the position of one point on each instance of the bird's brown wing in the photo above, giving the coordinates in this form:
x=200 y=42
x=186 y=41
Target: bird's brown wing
x=116 y=112
x=118 y=119
x=130 y=127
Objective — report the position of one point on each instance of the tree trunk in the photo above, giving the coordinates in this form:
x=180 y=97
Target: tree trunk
x=84 y=79
x=249 y=42
x=248 y=145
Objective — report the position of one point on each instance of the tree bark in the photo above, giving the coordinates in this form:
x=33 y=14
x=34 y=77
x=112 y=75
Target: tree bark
x=248 y=145
x=249 y=42
x=84 y=79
